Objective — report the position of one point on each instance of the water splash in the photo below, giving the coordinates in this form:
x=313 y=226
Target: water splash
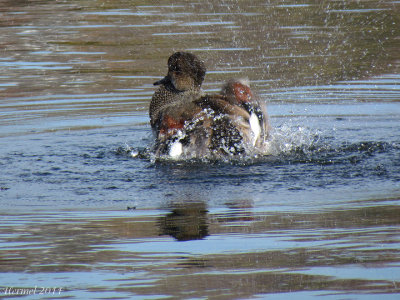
x=282 y=141
x=291 y=144
x=290 y=138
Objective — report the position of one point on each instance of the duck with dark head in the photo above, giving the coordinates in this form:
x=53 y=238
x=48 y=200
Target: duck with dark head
x=188 y=123
x=182 y=84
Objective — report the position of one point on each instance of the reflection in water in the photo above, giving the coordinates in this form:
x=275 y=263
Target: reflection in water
x=242 y=252
x=186 y=221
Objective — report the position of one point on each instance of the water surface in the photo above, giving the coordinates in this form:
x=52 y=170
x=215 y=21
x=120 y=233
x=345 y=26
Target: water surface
x=317 y=217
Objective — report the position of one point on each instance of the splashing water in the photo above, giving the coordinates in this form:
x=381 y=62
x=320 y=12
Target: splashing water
x=284 y=140
x=289 y=138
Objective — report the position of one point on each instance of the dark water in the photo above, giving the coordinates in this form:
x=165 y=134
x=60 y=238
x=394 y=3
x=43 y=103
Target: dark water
x=318 y=217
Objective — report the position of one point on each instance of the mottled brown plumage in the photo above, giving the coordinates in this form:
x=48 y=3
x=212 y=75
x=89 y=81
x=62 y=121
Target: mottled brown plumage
x=181 y=84
x=188 y=123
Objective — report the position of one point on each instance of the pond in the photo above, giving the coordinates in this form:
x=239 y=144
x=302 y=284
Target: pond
x=82 y=218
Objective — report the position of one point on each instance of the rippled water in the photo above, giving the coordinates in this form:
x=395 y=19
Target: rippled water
x=318 y=217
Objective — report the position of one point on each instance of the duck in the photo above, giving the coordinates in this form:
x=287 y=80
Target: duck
x=189 y=123
x=254 y=125
x=182 y=84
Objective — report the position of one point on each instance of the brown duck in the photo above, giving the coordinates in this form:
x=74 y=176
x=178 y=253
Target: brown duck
x=188 y=123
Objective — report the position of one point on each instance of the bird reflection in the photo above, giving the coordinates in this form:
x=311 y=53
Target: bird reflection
x=186 y=221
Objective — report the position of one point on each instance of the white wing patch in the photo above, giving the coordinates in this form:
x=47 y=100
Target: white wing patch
x=176 y=149
x=255 y=128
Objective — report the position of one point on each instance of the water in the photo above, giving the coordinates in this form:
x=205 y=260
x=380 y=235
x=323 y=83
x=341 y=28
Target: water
x=318 y=217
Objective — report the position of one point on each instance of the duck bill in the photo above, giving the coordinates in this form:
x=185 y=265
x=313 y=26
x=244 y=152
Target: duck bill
x=163 y=81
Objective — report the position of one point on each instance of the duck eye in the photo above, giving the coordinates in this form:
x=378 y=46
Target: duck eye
x=175 y=68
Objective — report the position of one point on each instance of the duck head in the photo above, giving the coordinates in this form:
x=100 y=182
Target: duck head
x=185 y=72
x=237 y=91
